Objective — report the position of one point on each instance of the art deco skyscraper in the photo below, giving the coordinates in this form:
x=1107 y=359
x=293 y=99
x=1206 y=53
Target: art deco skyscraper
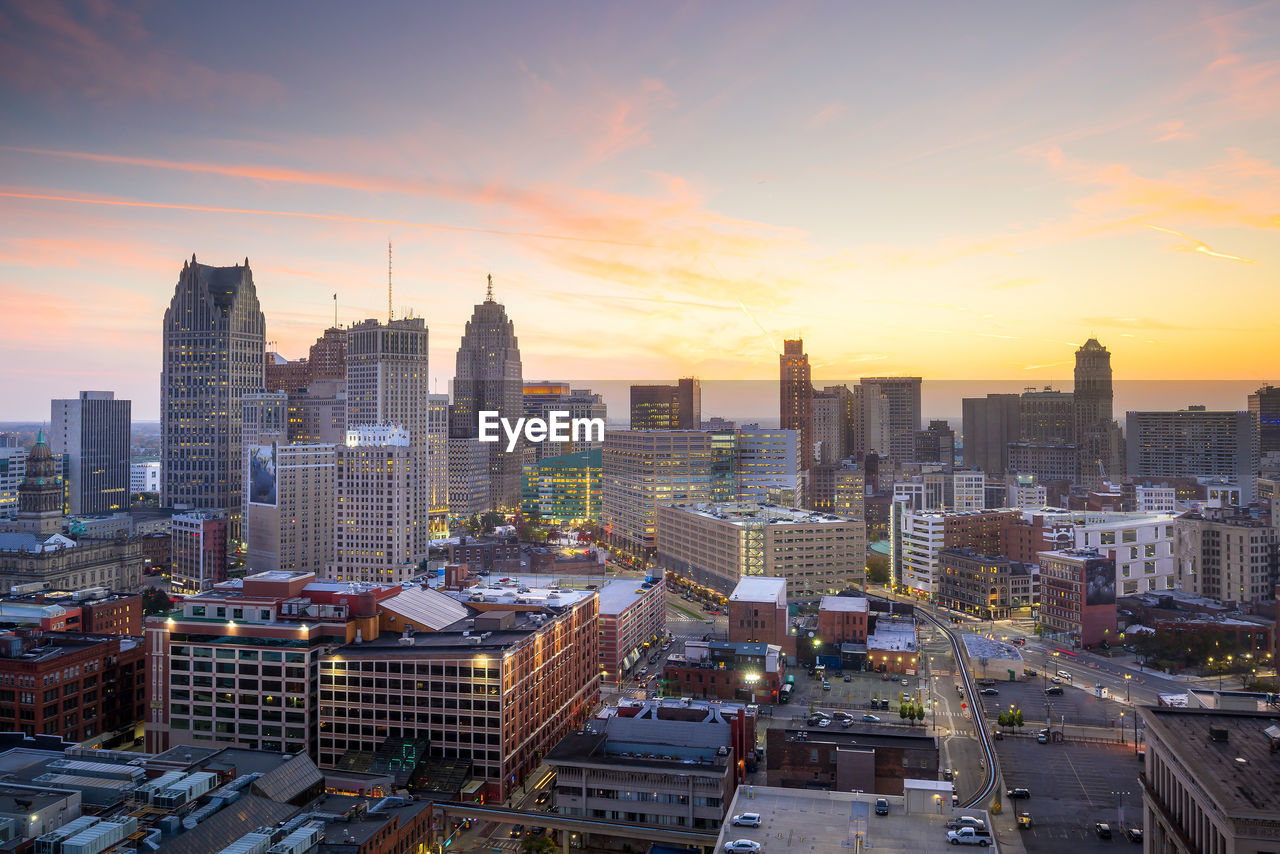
x=489 y=378
x=1097 y=434
x=214 y=345
x=796 y=387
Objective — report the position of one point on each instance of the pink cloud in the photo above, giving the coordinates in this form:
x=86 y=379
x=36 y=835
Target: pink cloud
x=826 y=115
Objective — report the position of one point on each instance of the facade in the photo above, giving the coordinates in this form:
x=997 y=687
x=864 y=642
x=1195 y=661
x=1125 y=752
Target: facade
x=936 y=444
x=633 y=620
x=74 y=686
x=62 y=563
x=661 y=765
x=543 y=398
x=13 y=468
x=144 y=477
x=918 y=537
x=1049 y=462
x=1155 y=499
x=891 y=645
x=1194 y=792
x=499 y=688
x=903 y=397
x=214 y=345
x=488 y=378
x=864 y=759
x=717 y=545
x=985 y=586
x=91 y=433
x=387 y=387
x=990 y=424
x=1096 y=435
x=239 y=663
x=438 y=464
x=40 y=494
x=1265 y=406
x=758 y=612
x=375 y=534
x=643 y=469
x=743 y=671
x=318 y=413
x=843 y=619
x=1195 y=443
x=1078 y=595
x=768 y=466
x=1227 y=555
x=1141 y=544
x=468 y=473
x=295 y=531
x=564 y=489
x=198 y=550
x=1047 y=416
x=326 y=360
x=667 y=407
x=832 y=410
x=486 y=556
x=796 y=401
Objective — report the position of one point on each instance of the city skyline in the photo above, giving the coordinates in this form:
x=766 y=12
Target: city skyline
x=741 y=175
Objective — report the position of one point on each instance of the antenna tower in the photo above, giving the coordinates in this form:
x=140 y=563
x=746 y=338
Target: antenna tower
x=391 y=312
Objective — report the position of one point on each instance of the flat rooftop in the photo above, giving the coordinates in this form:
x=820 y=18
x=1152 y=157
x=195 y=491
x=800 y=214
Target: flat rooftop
x=855 y=604
x=618 y=596
x=863 y=735
x=1241 y=773
x=759 y=589
x=821 y=822
x=742 y=512
x=981 y=646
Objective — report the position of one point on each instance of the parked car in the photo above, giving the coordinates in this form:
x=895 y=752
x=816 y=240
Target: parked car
x=848 y=678
x=1042 y=738
x=894 y=677
x=882 y=806
x=1053 y=690
x=967 y=821
x=742 y=845
x=1015 y=794
x=989 y=692
x=747 y=819
x=824 y=722
x=871 y=719
x=1133 y=834
x=948 y=774
x=1103 y=830
x=826 y=686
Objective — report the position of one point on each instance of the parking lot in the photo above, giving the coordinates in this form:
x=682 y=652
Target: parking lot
x=1073 y=786
x=1075 y=706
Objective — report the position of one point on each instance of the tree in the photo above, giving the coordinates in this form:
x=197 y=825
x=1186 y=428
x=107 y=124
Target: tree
x=1017 y=718
x=903 y=710
x=1003 y=721
x=877 y=568
x=155 y=601
x=538 y=845
x=919 y=712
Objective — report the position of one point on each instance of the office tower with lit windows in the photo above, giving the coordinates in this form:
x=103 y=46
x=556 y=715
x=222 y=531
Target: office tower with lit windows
x=667 y=407
x=902 y=395
x=768 y=465
x=91 y=434
x=643 y=469
x=543 y=398
x=375 y=532
x=213 y=346
x=1265 y=405
x=1046 y=416
x=1195 y=442
x=831 y=411
x=489 y=379
x=564 y=489
x=795 y=386
x=438 y=464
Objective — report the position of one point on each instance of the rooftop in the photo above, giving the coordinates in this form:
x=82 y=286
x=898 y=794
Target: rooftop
x=893 y=636
x=759 y=589
x=863 y=735
x=1241 y=772
x=822 y=822
x=857 y=604
x=744 y=512
x=618 y=596
x=982 y=646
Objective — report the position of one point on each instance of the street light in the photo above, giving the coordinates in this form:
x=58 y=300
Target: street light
x=1127 y=677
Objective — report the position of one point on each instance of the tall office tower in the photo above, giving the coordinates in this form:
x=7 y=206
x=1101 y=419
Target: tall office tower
x=13 y=468
x=198 y=545
x=543 y=398
x=645 y=468
x=1194 y=442
x=1046 y=416
x=903 y=395
x=724 y=463
x=488 y=379
x=327 y=360
x=795 y=385
x=1097 y=435
x=768 y=465
x=870 y=426
x=831 y=409
x=387 y=387
x=990 y=424
x=468 y=477
x=376 y=532
x=667 y=407
x=91 y=433
x=1265 y=405
x=264 y=423
x=214 y=341
x=318 y=413
x=936 y=445
x=438 y=464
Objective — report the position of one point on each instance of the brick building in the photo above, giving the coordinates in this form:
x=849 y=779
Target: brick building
x=873 y=760
x=758 y=612
x=988 y=587
x=748 y=672
x=1078 y=595
x=633 y=619
x=501 y=555
x=843 y=619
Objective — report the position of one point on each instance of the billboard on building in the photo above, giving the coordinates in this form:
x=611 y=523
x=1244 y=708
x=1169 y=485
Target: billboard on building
x=1100 y=582
x=262 y=474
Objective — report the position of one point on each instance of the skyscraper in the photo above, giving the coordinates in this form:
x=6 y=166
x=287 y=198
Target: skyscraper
x=214 y=345
x=91 y=432
x=489 y=378
x=1265 y=405
x=1097 y=435
x=796 y=405
x=903 y=395
x=543 y=398
x=667 y=407
x=387 y=387
x=1194 y=442
x=990 y=424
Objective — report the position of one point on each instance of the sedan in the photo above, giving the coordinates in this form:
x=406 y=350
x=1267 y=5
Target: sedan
x=742 y=845
x=824 y=722
x=1134 y=834
x=1015 y=794
x=542 y=798
x=517 y=830
x=989 y=692
x=871 y=719
x=1103 y=830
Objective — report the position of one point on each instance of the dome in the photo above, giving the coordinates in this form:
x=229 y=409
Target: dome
x=40 y=450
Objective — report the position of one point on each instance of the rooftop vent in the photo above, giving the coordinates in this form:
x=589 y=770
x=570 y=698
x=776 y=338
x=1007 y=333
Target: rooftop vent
x=1219 y=734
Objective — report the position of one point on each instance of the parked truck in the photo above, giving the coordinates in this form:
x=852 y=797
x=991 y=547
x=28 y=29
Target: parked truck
x=969 y=836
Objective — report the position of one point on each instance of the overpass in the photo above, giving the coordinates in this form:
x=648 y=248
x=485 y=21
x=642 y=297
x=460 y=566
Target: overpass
x=576 y=824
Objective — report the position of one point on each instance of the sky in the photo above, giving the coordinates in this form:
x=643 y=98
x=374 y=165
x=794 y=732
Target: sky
x=956 y=191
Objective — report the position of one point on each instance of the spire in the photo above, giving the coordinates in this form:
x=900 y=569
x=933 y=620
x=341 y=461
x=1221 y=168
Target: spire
x=40 y=436
x=488 y=294
x=391 y=312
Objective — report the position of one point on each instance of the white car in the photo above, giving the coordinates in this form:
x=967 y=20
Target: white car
x=747 y=819
x=825 y=722
x=742 y=845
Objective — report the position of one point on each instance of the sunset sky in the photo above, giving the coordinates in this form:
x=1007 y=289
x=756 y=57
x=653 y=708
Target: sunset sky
x=955 y=190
